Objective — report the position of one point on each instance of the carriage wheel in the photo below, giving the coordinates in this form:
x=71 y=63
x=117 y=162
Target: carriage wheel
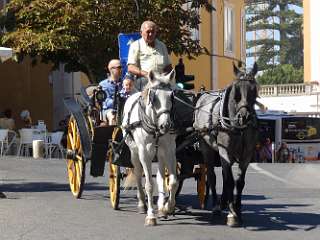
x=76 y=162
x=201 y=186
x=90 y=127
x=114 y=172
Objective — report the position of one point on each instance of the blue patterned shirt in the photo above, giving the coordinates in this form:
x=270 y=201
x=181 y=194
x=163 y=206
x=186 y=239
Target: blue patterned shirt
x=109 y=87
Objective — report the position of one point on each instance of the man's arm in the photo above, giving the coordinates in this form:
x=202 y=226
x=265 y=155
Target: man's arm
x=134 y=61
x=133 y=69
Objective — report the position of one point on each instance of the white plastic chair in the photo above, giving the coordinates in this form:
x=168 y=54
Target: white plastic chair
x=3 y=140
x=55 y=144
x=26 y=138
x=7 y=138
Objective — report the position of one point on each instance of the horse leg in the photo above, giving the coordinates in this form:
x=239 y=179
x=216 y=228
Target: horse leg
x=223 y=197
x=228 y=181
x=211 y=178
x=210 y=157
x=161 y=188
x=168 y=155
x=137 y=171
x=146 y=161
x=240 y=182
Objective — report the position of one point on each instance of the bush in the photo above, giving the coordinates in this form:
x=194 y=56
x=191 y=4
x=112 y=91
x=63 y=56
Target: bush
x=281 y=74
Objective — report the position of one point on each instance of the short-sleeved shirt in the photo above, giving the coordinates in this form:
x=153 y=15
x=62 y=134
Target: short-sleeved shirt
x=149 y=58
x=109 y=87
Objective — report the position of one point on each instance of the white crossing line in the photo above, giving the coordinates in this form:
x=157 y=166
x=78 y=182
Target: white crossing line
x=271 y=175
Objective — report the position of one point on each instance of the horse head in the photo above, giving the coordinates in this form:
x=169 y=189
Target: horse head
x=242 y=97
x=158 y=96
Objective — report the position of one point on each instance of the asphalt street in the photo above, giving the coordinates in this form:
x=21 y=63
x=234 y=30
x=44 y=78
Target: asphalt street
x=281 y=201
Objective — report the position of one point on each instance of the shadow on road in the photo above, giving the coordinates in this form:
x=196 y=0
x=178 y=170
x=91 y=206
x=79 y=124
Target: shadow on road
x=264 y=217
x=256 y=217
x=45 y=187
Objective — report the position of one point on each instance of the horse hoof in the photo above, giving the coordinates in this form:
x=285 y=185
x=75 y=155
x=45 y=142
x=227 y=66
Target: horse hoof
x=216 y=211
x=142 y=209
x=2 y=195
x=162 y=214
x=149 y=222
x=233 y=222
x=169 y=210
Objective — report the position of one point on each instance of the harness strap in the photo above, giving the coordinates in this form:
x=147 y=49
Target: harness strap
x=146 y=121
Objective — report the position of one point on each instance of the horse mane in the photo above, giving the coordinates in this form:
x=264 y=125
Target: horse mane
x=144 y=93
x=225 y=111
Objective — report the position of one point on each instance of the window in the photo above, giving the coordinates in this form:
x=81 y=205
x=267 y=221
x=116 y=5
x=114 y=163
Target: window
x=229 y=29
x=195 y=32
x=243 y=35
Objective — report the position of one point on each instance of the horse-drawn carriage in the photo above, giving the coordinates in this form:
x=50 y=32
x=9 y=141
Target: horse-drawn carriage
x=91 y=139
x=222 y=124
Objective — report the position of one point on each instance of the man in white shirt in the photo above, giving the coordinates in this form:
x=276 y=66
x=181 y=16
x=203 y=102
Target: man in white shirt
x=146 y=54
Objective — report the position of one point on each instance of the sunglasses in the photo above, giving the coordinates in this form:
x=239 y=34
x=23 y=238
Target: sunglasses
x=118 y=67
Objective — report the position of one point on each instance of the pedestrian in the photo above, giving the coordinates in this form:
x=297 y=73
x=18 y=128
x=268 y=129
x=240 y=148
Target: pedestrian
x=7 y=121
x=283 y=154
x=110 y=85
x=26 y=118
x=266 y=151
x=180 y=71
x=146 y=54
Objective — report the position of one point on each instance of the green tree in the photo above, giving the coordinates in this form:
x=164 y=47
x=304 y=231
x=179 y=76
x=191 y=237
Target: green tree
x=83 y=33
x=281 y=74
x=278 y=16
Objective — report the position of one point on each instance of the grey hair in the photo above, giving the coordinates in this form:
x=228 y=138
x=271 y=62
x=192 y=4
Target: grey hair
x=150 y=23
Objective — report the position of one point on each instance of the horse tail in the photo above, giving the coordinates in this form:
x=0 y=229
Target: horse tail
x=130 y=180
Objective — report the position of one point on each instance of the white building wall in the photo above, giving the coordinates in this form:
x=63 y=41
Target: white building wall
x=315 y=40
x=64 y=85
x=307 y=103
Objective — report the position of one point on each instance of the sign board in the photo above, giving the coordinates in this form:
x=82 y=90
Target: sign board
x=124 y=41
x=300 y=129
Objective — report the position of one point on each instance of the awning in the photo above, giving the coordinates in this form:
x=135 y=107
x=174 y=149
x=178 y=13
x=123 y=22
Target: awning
x=5 y=53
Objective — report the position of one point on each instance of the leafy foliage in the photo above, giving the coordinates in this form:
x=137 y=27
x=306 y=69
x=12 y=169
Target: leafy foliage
x=83 y=33
x=288 y=23
x=281 y=74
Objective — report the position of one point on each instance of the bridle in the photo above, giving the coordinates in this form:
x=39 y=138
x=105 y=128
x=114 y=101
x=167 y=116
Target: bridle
x=251 y=121
x=146 y=122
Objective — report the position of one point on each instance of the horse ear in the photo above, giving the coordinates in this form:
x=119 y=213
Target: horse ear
x=235 y=70
x=151 y=76
x=254 y=69
x=172 y=75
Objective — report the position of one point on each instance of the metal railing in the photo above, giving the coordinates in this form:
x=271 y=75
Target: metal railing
x=289 y=89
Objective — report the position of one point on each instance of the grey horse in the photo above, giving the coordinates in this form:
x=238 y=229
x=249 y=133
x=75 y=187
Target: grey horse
x=227 y=122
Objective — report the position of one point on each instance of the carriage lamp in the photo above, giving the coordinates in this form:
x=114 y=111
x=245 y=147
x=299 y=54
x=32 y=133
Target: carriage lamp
x=101 y=96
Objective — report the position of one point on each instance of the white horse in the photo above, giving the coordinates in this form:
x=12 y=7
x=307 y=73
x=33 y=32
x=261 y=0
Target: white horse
x=146 y=124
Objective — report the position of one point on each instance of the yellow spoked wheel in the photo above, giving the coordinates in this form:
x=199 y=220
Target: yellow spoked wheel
x=90 y=127
x=201 y=185
x=114 y=172
x=76 y=162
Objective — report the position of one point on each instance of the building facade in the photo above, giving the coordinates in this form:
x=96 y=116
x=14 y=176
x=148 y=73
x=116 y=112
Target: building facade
x=311 y=32
x=41 y=91
x=222 y=32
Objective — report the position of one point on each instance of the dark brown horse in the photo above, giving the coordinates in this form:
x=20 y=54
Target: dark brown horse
x=227 y=121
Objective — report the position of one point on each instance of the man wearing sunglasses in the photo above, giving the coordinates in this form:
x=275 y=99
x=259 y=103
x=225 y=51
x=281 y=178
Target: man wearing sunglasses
x=109 y=85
